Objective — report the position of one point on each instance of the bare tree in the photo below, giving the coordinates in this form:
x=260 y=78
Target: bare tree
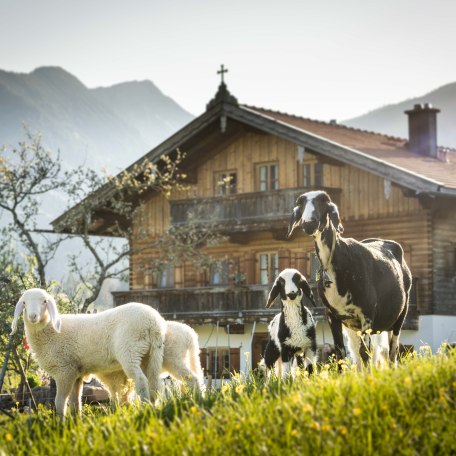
x=100 y=213
x=28 y=173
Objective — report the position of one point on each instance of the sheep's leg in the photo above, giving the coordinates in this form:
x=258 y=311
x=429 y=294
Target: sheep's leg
x=183 y=373
x=153 y=370
x=116 y=383
x=75 y=396
x=64 y=388
x=195 y=367
x=133 y=370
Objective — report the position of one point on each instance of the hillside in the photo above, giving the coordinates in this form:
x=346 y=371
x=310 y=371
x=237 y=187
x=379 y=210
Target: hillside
x=103 y=127
x=391 y=119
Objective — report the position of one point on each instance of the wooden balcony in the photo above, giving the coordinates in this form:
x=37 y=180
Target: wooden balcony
x=242 y=304
x=257 y=211
x=232 y=304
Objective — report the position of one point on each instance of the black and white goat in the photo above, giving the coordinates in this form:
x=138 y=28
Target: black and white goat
x=364 y=285
x=292 y=331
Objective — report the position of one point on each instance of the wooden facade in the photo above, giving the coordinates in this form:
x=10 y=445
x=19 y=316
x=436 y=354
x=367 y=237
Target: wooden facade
x=246 y=166
x=256 y=221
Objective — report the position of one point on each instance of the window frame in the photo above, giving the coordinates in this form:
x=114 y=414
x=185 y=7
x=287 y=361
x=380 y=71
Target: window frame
x=267 y=183
x=272 y=267
x=225 y=188
x=168 y=273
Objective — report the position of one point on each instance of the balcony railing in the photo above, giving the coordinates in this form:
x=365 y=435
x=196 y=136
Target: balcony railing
x=242 y=211
x=241 y=304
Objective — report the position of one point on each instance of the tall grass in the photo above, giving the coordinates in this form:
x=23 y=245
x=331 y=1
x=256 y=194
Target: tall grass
x=408 y=410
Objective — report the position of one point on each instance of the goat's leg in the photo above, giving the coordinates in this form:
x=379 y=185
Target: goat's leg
x=394 y=342
x=336 y=329
x=310 y=360
x=287 y=356
x=271 y=354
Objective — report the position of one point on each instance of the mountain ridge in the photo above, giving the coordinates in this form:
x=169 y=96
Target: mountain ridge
x=391 y=119
x=106 y=127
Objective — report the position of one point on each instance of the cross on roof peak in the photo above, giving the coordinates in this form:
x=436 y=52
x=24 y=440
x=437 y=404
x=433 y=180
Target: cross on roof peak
x=222 y=71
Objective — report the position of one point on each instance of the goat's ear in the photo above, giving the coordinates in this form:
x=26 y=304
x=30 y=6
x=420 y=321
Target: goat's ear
x=305 y=288
x=53 y=313
x=17 y=312
x=333 y=213
x=275 y=290
x=295 y=220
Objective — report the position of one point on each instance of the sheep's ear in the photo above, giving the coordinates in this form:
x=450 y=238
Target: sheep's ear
x=305 y=287
x=53 y=313
x=333 y=213
x=275 y=290
x=17 y=312
x=295 y=220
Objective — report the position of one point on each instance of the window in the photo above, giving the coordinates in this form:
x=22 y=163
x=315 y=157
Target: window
x=268 y=177
x=306 y=177
x=219 y=273
x=225 y=183
x=268 y=267
x=166 y=277
x=318 y=175
x=310 y=175
x=220 y=362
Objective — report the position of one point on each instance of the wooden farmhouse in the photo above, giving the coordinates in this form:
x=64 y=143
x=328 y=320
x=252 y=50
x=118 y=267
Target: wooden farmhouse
x=246 y=166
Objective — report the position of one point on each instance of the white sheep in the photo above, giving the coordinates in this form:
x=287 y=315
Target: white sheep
x=128 y=338
x=180 y=360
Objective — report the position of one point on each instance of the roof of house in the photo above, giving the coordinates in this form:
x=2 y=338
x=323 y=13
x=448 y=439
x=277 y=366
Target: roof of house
x=390 y=149
x=379 y=154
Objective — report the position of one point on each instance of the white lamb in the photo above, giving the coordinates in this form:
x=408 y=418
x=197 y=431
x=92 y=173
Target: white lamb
x=181 y=360
x=128 y=338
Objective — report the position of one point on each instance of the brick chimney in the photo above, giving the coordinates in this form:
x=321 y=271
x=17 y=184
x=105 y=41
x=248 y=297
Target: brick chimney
x=422 y=122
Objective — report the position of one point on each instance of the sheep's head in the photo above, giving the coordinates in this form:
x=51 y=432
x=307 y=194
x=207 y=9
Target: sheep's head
x=313 y=212
x=290 y=285
x=38 y=306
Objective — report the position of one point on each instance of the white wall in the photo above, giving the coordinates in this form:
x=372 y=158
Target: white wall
x=209 y=337
x=433 y=331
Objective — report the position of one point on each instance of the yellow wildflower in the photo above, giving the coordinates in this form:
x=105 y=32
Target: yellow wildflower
x=407 y=381
x=240 y=388
x=9 y=437
x=326 y=428
x=307 y=408
x=357 y=411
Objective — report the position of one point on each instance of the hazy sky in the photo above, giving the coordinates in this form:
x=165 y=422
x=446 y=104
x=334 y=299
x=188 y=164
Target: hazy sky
x=324 y=59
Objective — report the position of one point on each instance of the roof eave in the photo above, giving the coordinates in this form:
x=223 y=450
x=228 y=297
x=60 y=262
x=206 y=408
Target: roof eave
x=170 y=144
x=335 y=150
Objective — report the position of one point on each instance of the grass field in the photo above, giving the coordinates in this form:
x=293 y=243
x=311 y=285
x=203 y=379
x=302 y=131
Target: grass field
x=408 y=410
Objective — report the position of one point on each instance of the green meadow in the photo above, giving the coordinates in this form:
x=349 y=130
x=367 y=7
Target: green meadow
x=405 y=410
